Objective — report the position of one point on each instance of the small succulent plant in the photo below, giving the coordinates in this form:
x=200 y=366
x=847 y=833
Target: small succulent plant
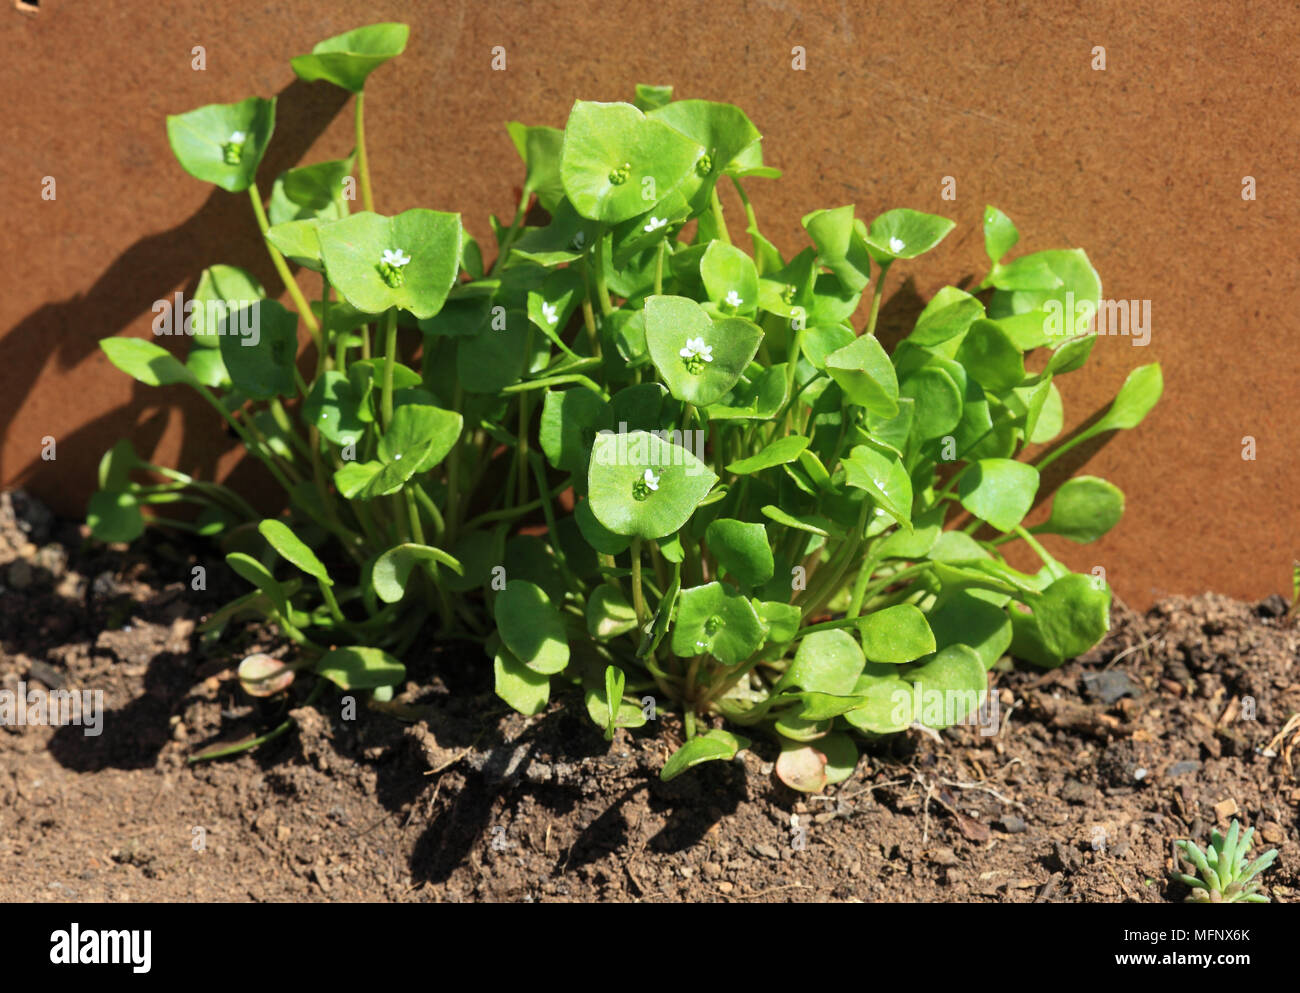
x=1225 y=876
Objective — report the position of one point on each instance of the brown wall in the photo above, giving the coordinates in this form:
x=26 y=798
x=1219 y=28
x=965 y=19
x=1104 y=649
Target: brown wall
x=1141 y=165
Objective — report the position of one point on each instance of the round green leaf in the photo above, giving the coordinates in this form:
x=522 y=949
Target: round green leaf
x=1084 y=509
x=884 y=478
x=719 y=351
x=1000 y=235
x=392 y=570
x=347 y=59
x=896 y=634
x=333 y=408
x=310 y=192
x=223 y=292
x=1072 y=614
x=889 y=704
x=999 y=491
x=991 y=357
x=730 y=278
x=353 y=248
x=620 y=491
x=938 y=399
x=716 y=620
x=840 y=245
x=826 y=662
x=570 y=419
x=524 y=689
x=1135 y=399
x=223 y=143
x=114 y=516
x=531 y=627
x=948 y=314
x=742 y=549
x=963 y=617
x=360 y=668
x=801 y=767
x=948 y=688
x=608 y=613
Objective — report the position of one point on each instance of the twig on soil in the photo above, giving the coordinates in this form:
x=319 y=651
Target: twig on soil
x=984 y=789
x=1140 y=646
x=1115 y=876
x=1276 y=746
x=774 y=889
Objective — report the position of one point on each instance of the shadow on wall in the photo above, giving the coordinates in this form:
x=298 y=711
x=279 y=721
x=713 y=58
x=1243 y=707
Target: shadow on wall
x=221 y=231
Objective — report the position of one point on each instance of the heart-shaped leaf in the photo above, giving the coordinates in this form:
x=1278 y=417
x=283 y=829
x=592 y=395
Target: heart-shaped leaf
x=617 y=163
x=840 y=245
x=314 y=192
x=347 y=59
x=948 y=314
x=716 y=620
x=989 y=354
x=570 y=420
x=700 y=359
x=223 y=291
x=711 y=746
x=965 y=617
x=938 y=401
x=540 y=147
x=363 y=255
x=642 y=486
x=905 y=234
x=999 y=491
x=223 y=143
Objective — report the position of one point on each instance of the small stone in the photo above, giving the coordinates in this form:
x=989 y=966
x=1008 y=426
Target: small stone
x=725 y=887
x=1272 y=832
x=767 y=851
x=712 y=870
x=1109 y=686
x=1225 y=808
x=1012 y=824
x=1076 y=792
x=1272 y=606
x=1184 y=768
x=944 y=857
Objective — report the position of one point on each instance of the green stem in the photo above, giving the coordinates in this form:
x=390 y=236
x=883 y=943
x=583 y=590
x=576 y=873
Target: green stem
x=282 y=267
x=509 y=240
x=876 y=294
x=390 y=363
x=638 y=596
x=363 y=161
x=718 y=219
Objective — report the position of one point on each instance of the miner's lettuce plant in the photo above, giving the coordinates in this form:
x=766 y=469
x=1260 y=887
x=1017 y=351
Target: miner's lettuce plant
x=637 y=459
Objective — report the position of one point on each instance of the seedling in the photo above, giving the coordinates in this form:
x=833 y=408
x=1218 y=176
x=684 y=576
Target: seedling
x=1225 y=875
x=633 y=457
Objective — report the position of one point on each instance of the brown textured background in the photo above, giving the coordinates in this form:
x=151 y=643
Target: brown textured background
x=1141 y=165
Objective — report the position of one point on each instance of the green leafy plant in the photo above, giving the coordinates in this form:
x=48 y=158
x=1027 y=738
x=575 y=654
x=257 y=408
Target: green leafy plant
x=1225 y=875
x=632 y=457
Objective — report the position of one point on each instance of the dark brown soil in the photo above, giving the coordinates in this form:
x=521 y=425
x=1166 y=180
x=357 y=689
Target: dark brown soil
x=1095 y=769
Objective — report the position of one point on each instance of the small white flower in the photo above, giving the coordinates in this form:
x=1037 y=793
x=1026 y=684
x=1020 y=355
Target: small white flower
x=734 y=299
x=655 y=224
x=896 y=245
x=236 y=137
x=696 y=346
x=550 y=313
x=397 y=258
x=651 y=480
